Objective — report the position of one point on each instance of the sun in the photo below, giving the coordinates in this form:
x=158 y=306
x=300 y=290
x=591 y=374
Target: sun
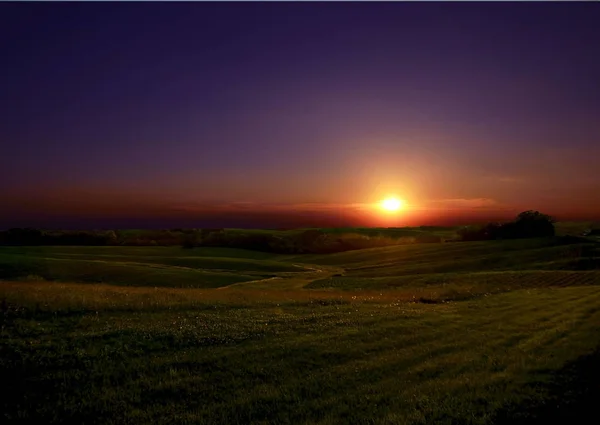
x=392 y=204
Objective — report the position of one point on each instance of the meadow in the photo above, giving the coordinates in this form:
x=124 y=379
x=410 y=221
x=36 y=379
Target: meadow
x=487 y=332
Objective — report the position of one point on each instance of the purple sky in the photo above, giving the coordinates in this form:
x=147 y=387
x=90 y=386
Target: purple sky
x=163 y=113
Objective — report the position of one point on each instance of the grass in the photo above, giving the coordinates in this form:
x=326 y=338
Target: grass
x=138 y=266
x=505 y=334
x=296 y=362
x=126 y=251
x=460 y=256
x=443 y=287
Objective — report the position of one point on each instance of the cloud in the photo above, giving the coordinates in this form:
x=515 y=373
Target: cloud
x=464 y=203
x=271 y=207
x=458 y=204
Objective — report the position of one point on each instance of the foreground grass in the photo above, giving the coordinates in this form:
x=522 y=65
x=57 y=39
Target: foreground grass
x=108 y=354
x=478 y=333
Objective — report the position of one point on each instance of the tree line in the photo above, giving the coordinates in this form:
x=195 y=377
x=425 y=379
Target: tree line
x=528 y=224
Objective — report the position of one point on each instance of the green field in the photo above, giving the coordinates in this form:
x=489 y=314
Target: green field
x=469 y=332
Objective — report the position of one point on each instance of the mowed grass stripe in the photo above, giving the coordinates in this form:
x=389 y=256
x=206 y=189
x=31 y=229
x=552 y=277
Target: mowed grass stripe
x=456 y=360
x=368 y=375
x=442 y=343
x=480 y=281
x=356 y=363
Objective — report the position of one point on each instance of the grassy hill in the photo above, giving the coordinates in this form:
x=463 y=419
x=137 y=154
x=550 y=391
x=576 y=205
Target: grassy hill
x=138 y=266
x=470 y=256
x=493 y=332
x=214 y=267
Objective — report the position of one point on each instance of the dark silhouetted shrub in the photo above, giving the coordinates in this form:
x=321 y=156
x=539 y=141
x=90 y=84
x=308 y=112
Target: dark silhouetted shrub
x=528 y=224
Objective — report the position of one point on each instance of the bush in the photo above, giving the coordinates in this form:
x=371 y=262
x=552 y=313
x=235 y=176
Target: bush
x=481 y=233
x=528 y=224
x=533 y=224
x=192 y=240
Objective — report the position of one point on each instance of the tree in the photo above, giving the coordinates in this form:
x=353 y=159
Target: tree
x=528 y=224
x=531 y=215
x=534 y=224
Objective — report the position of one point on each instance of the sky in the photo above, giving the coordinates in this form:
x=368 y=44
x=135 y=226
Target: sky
x=294 y=114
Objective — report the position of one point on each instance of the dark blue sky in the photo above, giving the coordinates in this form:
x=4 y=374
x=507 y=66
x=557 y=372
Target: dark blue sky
x=138 y=107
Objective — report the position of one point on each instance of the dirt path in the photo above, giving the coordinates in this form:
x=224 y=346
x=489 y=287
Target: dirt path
x=288 y=280
x=308 y=268
x=258 y=282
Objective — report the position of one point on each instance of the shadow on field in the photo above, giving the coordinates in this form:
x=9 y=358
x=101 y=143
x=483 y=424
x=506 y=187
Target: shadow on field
x=573 y=394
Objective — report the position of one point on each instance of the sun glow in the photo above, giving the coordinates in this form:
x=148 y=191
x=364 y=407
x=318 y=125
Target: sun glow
x=392 y=204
